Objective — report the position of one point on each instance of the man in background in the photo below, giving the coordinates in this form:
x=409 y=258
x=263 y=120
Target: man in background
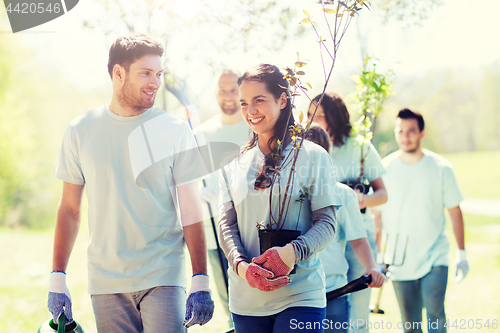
x=420 y=185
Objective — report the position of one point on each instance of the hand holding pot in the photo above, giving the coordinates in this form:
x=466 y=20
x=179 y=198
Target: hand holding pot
x=59 y=297
x=260 y=278
x=279 y=259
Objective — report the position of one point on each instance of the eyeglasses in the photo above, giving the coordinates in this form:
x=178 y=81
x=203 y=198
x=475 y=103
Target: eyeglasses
x=264 y=178
x=262 y=181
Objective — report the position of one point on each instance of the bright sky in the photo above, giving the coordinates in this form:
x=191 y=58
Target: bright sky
x=460 y=34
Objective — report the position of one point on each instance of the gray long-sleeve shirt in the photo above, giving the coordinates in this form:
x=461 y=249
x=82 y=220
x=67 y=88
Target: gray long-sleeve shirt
x=314 y=240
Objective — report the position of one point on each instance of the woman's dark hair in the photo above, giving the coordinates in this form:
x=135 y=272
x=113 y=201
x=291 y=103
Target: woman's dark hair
x=271 y=76
x=336 y=117
x=319 y=136
x=126 y=50
x=409 y=114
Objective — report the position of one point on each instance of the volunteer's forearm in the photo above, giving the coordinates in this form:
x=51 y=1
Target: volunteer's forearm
x=364 y=253
x=318 y=236
x=379 y=195
x=192 y=224
x=457 y=223
x=229 y=236
x=66 y=231
x=67 y=225
x=194 y=236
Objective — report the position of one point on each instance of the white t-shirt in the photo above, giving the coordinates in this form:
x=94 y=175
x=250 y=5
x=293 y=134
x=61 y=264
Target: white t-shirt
x=131 y=167
x=222 y=139
x=413 y=217
x=349 y=227
x=313 y=172
x=346 y=163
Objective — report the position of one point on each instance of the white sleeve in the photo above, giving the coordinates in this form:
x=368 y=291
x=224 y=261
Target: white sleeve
x=68 y=166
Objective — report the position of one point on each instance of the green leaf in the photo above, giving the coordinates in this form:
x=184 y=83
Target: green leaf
x=301 y=116
x=306 y=20
x=300 y=63
x=307 y=13
x=329 y=10
x=300 y=73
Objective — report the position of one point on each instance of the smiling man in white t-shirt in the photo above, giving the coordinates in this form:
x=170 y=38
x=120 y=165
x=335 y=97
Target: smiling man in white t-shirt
x=420 y=185
x=136 y=162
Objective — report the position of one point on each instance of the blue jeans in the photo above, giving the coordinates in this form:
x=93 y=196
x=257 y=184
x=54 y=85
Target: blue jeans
x=427 y=292
x=159 y=309
x=337 y=314
x=294 y=319
x=360 y=300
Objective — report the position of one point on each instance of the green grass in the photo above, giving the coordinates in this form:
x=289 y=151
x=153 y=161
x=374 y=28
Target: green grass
x=26 y=263
x=26 y=258
x=24 y=277
x=477 y=173
x=476 y=297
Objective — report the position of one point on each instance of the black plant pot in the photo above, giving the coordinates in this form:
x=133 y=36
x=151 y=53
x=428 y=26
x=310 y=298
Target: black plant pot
x=362 y=186
x=269 y=238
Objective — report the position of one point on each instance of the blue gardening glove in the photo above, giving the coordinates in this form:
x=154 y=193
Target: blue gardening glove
x=59 y=297
x=199 y=305
x=462 y=263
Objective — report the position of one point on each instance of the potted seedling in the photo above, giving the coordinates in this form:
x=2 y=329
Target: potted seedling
x=337 y=15
x=371 y=90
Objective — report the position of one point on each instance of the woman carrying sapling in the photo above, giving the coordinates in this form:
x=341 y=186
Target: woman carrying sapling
x=345 y=153
x=263 y=295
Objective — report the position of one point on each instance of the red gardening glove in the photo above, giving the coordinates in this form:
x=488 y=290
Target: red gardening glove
x=279 y=259
x=260 y=278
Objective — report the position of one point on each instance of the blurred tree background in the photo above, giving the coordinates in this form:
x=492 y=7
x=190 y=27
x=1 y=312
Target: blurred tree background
x=37 y=102
x=461 y=110
x=35 y=108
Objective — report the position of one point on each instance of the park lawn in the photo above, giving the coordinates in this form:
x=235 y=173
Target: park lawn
x=476 y=173
x=26 y=260
x=26 y=263
x=474 y=298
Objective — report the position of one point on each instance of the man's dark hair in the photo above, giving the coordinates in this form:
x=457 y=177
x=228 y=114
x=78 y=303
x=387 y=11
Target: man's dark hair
x=409 y=114
x=126 y=50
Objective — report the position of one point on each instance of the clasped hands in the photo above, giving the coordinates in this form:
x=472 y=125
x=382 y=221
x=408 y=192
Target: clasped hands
x=270 y=270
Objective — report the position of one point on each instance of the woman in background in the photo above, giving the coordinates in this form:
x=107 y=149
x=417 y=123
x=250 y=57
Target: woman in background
x=345 y=153
x=350 y=228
